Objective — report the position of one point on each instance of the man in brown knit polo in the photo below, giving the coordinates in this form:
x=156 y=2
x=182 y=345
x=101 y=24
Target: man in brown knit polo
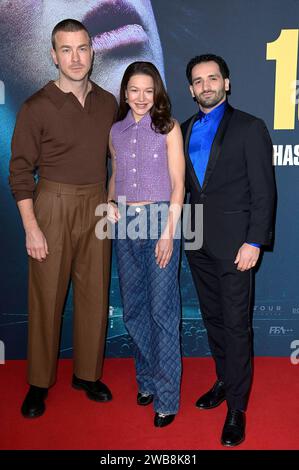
x=62 y=133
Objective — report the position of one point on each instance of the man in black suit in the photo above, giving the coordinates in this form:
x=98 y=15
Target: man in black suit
x=229 y=171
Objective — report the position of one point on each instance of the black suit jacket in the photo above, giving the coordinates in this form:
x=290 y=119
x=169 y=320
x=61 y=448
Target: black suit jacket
x=238 y=192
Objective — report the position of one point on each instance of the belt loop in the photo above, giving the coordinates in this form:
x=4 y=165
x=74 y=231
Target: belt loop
x=59 y=190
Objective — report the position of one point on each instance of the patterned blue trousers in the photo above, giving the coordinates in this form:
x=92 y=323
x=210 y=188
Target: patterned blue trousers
x=151 y=311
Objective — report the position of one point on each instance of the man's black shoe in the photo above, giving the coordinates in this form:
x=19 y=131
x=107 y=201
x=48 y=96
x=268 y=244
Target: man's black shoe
x=144 y=399
x=34 y=403
x=161 y=420
x=96 y=391
x=214 y=397
x=234 y=428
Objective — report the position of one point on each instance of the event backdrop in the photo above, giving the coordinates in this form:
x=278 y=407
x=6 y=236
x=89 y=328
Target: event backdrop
x=259 y=41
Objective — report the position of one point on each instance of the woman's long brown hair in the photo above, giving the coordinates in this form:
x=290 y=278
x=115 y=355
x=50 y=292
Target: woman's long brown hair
x=161 y=109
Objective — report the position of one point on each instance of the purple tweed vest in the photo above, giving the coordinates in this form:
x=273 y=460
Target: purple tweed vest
x=141 y=161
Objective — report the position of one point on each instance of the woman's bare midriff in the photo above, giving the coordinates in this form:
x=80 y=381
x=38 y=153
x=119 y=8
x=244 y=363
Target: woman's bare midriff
x=141 y=203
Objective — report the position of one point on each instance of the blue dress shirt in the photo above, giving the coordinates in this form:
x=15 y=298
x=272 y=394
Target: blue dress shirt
x=201 y=139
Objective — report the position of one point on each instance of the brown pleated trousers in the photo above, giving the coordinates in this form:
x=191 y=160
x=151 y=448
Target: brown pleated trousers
x=66 y=216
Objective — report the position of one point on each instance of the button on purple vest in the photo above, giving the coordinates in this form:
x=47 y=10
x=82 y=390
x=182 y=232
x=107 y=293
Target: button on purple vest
x=141 y=161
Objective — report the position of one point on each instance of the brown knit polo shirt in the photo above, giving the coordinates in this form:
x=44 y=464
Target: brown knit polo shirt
x=60 y=139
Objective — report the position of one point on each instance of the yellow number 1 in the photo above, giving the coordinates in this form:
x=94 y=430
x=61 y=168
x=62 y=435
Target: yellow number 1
x=285 y=51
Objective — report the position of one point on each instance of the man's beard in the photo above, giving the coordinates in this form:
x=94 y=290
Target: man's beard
x=211 y=101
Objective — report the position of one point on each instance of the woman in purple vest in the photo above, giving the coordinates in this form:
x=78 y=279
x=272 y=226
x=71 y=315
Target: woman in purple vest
x=148 y=184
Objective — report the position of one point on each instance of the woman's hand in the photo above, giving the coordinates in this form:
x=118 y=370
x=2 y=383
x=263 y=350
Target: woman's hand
x=113 y=214
x=163 y=250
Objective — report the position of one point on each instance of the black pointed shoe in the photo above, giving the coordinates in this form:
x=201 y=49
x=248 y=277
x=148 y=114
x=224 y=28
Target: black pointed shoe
x=34 y=403
x=161 y=420
x=144 y=399
x=96 y=391
x=214 y=397
x=234 y=428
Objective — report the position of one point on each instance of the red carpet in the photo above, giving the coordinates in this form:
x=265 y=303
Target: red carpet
x=74 y=422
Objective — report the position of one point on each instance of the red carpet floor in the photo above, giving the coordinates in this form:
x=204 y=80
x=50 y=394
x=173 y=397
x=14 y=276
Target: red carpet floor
x=74 y=422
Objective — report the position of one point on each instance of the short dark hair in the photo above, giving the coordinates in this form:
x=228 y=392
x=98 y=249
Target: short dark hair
x=70 y=26
x=224 y=70
x=162 y=121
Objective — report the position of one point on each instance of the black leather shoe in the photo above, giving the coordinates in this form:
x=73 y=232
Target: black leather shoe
x=162 y=420
x=96 y=391
x=234 y=428
x=214 y=397
x=144 y=400
x=34 y=403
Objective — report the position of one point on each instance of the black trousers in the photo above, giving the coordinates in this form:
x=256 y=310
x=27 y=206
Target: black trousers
x=224 y=296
